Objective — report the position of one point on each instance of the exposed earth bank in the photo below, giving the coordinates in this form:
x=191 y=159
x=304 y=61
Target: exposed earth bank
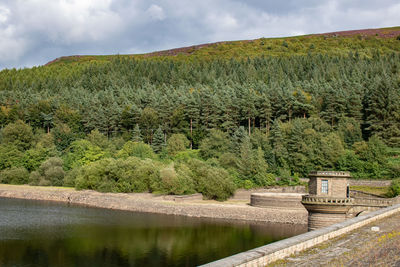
x=234 y=209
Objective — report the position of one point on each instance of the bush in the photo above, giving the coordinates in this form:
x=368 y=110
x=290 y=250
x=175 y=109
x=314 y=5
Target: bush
x=34 y=157
x=70 y=177
x=18 y=134
x=228 y=160
x=50 y=172
x=394 y=189
x=186 y=155
x=136 y=149
x=15 y=175
x=10 y=156
x=176 y=182
x=83 y=152
x=177 y=143
x=118 y=175
x=212 y=182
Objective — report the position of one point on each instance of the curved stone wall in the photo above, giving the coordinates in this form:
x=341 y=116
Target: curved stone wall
x=319 y=220
x=276 y=200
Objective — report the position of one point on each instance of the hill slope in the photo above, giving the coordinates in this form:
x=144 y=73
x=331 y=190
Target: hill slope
x=365 y=42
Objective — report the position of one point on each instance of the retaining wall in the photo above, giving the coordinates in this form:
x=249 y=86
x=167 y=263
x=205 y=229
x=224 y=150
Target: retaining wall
x=277 y=200
x=361 y=182
x=375 y=183
x=243 y=194
x=267 y=254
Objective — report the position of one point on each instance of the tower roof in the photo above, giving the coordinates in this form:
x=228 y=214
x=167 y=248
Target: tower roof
x=330 y=174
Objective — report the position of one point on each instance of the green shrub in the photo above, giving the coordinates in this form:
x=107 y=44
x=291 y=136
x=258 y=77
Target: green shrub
x=15 y=175
x=186 y=155
x=10 y=156
x=394 y=189
x=18 y=134
x=93 y=174
x=177 y=143
x=289 y=180
x=50 y=172
x=212 y=182
x=248 y=184
x=176 y=182
x=136 y=149
x=118 y=175
x=70 y=177
x=228 y=160
x=82 y=152
x=34 y=157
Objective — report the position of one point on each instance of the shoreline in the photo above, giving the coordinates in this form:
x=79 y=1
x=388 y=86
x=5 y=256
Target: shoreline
x=238 y=210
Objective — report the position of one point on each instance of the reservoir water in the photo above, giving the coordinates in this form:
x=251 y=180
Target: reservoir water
x=37 y=233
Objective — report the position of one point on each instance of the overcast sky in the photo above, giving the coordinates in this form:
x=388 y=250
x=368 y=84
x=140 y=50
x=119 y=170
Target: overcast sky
x=33 y=32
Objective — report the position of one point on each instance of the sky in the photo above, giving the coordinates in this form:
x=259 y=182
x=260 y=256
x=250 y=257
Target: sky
x=34 y=32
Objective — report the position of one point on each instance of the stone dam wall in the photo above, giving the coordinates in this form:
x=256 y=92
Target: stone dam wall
x=275 y=251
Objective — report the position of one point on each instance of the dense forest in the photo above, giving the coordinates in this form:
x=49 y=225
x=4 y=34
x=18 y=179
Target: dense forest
x=209 y=126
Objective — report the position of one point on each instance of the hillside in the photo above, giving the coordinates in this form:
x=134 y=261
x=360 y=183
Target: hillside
x=207 y=119
x=365 y=42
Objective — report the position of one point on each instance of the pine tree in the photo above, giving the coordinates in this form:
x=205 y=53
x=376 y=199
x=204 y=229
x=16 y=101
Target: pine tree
x=136 y=134
x=238 y=138
x=158 y=143
x=384 y=111
x=278 y=145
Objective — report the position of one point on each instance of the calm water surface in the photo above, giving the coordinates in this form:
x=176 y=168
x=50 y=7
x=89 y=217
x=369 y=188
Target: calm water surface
x=36 y=233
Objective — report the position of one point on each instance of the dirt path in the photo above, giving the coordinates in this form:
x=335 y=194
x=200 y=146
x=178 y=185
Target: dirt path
x=362 y=247
x=146 y=202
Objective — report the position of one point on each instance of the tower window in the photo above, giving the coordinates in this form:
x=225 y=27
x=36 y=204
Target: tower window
x=324 y=187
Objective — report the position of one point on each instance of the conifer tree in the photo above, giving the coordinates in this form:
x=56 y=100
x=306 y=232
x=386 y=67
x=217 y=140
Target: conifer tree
x=238 y=137
x=136 y=134
x=158 y=142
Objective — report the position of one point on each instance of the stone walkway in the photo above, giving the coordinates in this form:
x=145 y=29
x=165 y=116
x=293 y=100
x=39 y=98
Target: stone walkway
x=362 y=247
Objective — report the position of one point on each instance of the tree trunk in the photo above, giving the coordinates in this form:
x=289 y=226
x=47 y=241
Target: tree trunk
x=249 y=122
x=267 y=127
x=191 y=133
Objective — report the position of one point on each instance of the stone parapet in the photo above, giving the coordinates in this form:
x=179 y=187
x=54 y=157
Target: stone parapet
x=311 y=199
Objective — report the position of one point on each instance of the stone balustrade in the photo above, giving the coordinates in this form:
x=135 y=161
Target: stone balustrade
x=309 y=199
x=374 y=202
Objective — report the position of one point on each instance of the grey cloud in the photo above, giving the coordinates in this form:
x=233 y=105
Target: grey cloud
x=33 y=32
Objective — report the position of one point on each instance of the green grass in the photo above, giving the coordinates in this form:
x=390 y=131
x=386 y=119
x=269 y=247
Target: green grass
x=380 y=191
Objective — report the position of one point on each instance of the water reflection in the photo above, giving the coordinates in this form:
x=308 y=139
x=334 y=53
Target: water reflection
x=36 y=233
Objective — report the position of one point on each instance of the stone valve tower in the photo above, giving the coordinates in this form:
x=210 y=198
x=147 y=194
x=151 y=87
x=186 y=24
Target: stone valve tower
x=329 y=199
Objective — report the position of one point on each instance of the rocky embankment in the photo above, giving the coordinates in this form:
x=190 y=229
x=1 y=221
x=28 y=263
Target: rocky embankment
x=145 y=202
